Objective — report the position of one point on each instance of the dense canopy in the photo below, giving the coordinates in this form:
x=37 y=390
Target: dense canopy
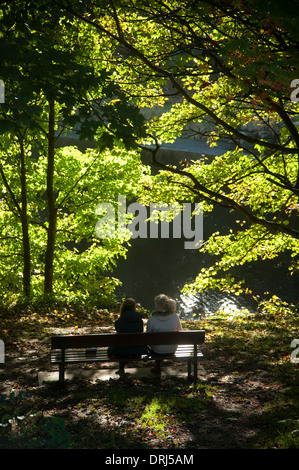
x=128 y=75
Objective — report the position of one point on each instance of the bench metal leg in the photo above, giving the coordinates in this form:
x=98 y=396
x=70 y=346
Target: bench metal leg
x=61 y=373
x=195 y=363
x=195 y=370
x=189 y=369
x=61 y=367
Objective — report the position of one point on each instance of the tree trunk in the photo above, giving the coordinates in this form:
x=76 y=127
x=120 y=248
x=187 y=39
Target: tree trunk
x=52 y=210
x=24 y=222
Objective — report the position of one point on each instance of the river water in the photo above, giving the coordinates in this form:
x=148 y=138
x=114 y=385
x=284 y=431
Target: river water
x=160 y=265
x=155 y=266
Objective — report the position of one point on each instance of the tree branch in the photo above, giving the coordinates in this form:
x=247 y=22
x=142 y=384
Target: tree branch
x=220 y=199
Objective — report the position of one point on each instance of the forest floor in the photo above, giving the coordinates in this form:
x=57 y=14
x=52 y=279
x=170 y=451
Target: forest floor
x=246 y=398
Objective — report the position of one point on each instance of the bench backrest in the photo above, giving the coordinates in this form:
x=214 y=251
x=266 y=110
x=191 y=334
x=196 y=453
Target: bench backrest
x=127 y=339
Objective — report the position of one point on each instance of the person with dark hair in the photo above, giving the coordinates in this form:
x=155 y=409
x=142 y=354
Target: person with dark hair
x=129 y=321
x=163 y=318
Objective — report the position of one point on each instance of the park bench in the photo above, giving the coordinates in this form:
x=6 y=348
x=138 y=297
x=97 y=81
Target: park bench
x=73 y=349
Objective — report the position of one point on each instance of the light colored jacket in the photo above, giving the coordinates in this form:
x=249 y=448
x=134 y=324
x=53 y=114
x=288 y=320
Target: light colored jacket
x=164 y=322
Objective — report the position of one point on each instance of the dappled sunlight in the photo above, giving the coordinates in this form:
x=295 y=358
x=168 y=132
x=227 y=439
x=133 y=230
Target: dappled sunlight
x=247 y=383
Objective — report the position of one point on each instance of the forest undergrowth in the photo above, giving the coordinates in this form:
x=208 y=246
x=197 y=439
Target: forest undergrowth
x=246 y=396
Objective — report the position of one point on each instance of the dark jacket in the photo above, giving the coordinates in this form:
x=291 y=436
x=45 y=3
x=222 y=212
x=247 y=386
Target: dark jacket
x=129 y=322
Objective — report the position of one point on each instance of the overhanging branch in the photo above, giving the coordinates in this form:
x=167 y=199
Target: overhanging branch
x=220 y=199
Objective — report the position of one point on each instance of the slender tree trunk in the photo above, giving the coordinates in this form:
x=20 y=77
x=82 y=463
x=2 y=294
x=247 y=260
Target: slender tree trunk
x=24 y=222
x=52 y=210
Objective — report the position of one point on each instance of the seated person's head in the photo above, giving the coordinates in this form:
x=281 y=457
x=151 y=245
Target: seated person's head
x=128 y=304
x=171 y=305
x=161 y=302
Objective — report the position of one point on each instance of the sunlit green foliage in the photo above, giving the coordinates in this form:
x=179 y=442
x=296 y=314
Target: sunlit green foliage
x=49 y=195
x=211 y=70
x=218 y=71
x=81 y=181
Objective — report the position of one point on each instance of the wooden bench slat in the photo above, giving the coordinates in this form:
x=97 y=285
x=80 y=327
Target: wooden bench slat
x=125 y=339
x=81 y=355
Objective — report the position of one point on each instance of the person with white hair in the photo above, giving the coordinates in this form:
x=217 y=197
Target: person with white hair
x=163 y=318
